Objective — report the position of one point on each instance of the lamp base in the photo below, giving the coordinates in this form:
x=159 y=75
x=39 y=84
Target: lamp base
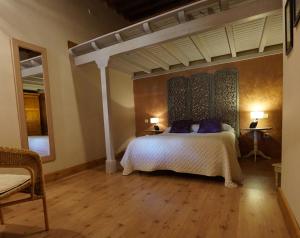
x=156 y=127
x=253 y=124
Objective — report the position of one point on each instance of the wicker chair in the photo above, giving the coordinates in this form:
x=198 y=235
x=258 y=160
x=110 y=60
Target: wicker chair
x=32 y=184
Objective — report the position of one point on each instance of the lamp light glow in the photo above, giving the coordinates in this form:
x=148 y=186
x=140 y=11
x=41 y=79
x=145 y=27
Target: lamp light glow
x=154 y=120
x=257 y=115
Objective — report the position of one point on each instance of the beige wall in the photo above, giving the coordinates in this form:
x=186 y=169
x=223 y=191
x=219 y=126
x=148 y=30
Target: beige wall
x=8 y=113
x=291 y=127
x=75 y=94
x=122 y=108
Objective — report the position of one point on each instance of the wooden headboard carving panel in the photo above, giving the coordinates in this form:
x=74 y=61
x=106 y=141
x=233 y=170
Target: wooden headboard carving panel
x=204 y=96
x=178 y=99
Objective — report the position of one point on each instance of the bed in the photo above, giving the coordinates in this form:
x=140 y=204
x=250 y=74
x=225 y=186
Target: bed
x=212 y=154
x=199 y=97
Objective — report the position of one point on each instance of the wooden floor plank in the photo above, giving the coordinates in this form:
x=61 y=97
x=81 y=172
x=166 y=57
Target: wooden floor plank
x=162 y=204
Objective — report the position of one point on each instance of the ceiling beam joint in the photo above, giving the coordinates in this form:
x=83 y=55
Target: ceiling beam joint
x=119 y=37
x=231 y=41
x=265 y=35
x=200 y=45
x=94 y=45
x=176 y=52
x=146 y=27
x=181 y=17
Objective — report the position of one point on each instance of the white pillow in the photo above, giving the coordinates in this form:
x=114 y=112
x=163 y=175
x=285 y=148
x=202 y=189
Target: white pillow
x=226 y=127
x=167 y=130
x=195 y=127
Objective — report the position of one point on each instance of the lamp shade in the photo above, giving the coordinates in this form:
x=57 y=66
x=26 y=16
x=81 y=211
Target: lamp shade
x=257 y=115
x=154 y=120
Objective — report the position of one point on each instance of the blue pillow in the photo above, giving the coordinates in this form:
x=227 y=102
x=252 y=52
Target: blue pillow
x=210 y=126
x=181 y=126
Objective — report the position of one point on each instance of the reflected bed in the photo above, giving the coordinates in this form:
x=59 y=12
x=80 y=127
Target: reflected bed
x=39 y=144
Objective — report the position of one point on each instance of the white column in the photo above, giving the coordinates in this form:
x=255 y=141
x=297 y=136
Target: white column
x=109 y=146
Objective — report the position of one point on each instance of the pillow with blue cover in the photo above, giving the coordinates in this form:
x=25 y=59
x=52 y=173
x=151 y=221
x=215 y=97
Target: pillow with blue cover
x=210 y=126
x=181 y=126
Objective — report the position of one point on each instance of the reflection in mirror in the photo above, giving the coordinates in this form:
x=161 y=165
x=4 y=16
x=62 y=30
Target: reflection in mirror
x=33 y=97
x=31 y=64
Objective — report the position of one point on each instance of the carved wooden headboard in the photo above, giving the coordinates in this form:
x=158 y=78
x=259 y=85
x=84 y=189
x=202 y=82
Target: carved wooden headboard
x=204 y=96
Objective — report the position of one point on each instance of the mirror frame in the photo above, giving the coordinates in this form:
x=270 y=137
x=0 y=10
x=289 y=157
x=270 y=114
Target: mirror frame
x=15 y=45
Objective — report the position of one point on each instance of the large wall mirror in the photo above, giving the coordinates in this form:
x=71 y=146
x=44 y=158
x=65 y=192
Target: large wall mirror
x=32 y=84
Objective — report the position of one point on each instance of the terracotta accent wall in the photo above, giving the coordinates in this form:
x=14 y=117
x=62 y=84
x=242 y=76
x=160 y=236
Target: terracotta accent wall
x=260 y=82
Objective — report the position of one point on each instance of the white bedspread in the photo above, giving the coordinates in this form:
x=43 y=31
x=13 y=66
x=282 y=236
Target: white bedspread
x=205 y=154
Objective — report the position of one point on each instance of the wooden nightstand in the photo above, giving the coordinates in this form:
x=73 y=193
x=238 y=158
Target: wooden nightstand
x=153 y=132
x=255 y=150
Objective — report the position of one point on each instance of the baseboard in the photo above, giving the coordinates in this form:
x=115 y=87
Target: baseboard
x=288 y=215
x=73 y=170
x=78 y=168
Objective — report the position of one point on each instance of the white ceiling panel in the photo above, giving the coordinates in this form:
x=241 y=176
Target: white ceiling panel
x=188 y=48
x=138 y=60
x=196 y=48
x=122 y=65
x=275 y=30
x=161 y=53
x=215 y=42
x=247 y=35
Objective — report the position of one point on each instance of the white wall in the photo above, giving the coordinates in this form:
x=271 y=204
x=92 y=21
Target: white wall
x=75 y=91
x=291 y=126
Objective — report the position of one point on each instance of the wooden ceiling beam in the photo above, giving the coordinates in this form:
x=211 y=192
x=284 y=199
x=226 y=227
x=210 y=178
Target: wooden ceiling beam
x=154 y=8
x=129 y=5
x=114 y=2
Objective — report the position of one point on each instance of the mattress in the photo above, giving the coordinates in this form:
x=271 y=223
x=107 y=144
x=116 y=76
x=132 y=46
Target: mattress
x=214 y=154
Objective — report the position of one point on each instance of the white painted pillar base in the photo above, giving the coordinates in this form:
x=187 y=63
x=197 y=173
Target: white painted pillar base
x=111 y=164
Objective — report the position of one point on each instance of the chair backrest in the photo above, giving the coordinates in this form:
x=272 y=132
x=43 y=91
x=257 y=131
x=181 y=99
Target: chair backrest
x=29 y=160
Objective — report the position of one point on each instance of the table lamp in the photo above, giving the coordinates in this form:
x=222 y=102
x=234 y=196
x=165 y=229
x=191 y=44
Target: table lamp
x=256 y=115
x=155 y=121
